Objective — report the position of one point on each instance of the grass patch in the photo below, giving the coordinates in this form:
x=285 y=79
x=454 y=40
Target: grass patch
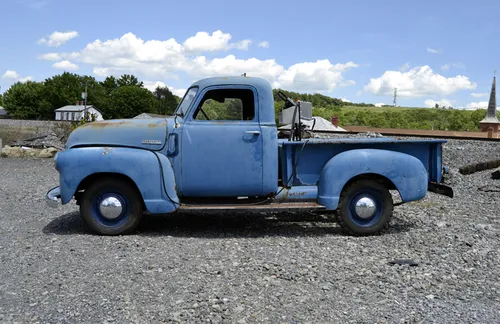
x=380 y=109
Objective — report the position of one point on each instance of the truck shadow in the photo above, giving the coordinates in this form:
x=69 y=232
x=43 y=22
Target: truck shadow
x=288 y=224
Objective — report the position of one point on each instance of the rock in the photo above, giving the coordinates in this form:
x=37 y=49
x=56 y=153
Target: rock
x=47 y=153
x=31 y=153
x=496 y=174
x=8 y=151
x=5 y=151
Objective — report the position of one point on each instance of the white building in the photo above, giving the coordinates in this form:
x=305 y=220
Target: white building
x=75 y=112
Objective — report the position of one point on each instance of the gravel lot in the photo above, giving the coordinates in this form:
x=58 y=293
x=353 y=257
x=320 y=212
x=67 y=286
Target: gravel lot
x=255 y=268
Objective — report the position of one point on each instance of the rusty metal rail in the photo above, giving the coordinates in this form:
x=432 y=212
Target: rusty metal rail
x=475 y=136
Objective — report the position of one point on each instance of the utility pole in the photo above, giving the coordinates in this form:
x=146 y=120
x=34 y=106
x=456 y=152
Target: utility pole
x=85 y=102
x=395 y=96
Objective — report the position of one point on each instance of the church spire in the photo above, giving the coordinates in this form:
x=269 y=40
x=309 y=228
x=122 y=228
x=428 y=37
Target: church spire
x=491 y=115
x=492 y=105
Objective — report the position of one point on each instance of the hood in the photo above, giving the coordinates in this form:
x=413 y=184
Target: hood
x=148 y=134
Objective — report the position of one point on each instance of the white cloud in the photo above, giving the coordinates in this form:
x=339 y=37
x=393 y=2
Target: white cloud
x=164 y=59
x=405 y=67
x=230 y=65
x=434 y=51
x=442 y=103
x=446 y=67
x=264 y=44
x=477 y=105
x=65 y=65
x=479 y=94
x=418 y=82
x=178 y=92
x=345 y=100
x=50 y=57
x=218 y=41
x=379 y=104
x=13 y=76
x=57 y=39
x=315 y=76
x=151 y=86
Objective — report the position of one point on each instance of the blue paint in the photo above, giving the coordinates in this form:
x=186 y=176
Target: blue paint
x=221 y=158
x=141 y=166
x=181 y=157
x=406 y=172
x=317 y=152
x=169 y=183
x=121 y=132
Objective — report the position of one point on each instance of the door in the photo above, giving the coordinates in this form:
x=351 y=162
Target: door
x=221 y=145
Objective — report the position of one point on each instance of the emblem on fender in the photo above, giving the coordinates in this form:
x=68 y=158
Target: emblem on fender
x=153 y=142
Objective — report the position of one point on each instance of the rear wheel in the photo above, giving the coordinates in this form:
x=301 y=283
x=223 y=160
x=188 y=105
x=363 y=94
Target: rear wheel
x=111 y=207
x=365 y=207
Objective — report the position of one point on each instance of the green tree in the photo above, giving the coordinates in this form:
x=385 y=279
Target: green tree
x=129 y=80
x=130 y=101
x=22 y=100
x=109 y=84
x=67 y=88
x=167 y=101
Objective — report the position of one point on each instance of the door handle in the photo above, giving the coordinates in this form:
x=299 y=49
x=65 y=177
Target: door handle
x=253 y=132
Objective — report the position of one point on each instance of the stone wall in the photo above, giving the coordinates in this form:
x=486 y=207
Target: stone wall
x=30 y=123
x=44 y=132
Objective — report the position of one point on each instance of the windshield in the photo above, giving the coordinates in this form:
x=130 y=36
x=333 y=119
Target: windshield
x=186 y=102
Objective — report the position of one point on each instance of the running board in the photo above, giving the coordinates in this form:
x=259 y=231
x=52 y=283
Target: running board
x=271 y=206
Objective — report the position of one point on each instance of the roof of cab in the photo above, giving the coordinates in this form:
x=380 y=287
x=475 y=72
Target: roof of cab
x=258 y=83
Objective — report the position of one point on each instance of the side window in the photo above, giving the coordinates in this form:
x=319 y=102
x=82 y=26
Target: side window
x=226 y=104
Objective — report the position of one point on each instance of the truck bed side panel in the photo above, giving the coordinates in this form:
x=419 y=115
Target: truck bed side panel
x=310 y=157
x=406 y=172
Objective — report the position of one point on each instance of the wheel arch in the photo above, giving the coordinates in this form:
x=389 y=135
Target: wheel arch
x=396 y=170
x=385 y=181
x=92 y=178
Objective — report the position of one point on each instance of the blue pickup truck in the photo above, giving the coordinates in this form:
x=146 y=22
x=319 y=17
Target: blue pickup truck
x=221 y=151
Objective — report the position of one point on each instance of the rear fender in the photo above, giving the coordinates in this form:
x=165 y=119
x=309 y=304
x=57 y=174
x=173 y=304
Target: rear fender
x=406 y=172
x=152 y=174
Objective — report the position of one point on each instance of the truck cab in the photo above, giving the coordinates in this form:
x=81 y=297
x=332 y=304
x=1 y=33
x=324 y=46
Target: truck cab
x=227 y=139
x=220 y=151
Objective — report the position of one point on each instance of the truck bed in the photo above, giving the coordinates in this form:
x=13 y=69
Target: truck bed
x=310 y=155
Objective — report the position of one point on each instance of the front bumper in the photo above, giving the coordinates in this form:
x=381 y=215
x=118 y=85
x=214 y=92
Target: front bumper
x=52 y=197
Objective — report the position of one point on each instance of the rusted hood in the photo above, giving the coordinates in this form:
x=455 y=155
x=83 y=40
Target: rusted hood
x=141 y=133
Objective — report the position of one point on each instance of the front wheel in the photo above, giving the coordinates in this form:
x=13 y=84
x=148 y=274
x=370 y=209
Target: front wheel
x=365 y=207
x=111 y=207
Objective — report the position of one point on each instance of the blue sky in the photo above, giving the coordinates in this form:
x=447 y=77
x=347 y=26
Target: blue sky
x=432 y=51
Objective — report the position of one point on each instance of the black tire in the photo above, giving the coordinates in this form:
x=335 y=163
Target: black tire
x=352 y=222
x=118 y=190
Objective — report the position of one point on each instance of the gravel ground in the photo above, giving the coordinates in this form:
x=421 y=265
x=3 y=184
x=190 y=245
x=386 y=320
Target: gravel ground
x=252 y=268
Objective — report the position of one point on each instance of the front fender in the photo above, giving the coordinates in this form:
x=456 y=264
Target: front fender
x=406 y=172
x=143 y=167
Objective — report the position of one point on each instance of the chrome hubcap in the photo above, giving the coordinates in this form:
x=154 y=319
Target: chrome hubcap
x=110 y=208
x=365 y=207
